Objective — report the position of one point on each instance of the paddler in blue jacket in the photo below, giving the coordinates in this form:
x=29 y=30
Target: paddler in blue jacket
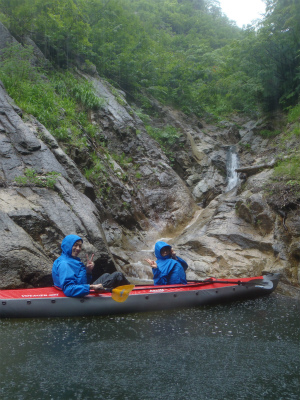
x=168 y=269
x=73 y=277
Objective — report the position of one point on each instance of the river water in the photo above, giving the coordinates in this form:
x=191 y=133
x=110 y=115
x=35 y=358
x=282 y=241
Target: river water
x=243 y=350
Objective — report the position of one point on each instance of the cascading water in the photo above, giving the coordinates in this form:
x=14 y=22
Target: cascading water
x=232 y=165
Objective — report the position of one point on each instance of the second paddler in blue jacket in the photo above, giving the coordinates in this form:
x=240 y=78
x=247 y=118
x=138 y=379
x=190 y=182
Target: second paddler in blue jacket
x=168 y=269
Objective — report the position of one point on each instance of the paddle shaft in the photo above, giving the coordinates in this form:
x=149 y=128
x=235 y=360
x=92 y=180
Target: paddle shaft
x=194 y=283
x=205 y=282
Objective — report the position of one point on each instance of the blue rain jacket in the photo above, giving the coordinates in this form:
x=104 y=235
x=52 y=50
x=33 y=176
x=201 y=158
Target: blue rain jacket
x=69 y=273
x=168 y=271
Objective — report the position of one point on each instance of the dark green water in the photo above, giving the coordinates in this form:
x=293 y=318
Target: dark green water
x=245 y=350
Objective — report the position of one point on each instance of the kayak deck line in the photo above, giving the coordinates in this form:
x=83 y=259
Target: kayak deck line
x=52 y=292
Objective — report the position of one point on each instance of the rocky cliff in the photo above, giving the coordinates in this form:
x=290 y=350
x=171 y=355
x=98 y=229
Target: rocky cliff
x=140 y=197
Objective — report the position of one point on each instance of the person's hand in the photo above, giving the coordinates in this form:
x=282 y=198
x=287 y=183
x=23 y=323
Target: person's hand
x=151 y=263
x=89 y=264
x=173 y=254
x=97 y=287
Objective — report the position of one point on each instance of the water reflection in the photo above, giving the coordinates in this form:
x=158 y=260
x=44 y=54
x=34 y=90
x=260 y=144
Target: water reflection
x=246 y=350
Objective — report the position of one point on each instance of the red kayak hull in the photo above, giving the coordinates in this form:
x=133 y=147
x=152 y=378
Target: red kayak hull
x=51 y=302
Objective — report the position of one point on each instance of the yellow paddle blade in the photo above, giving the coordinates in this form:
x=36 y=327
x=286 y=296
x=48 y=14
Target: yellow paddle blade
x=121 y=293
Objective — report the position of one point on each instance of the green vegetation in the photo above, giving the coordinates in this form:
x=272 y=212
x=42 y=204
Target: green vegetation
x=294 y=119
x=122 y=160
x=97 y=171
x=166 y=137
x=33 y=178
x=283 y=190
x=97 y=174
x=59 y=100
x=289 y=169
x=294 y=114
x=183 y=52
x=268 y=134
x=246 y=146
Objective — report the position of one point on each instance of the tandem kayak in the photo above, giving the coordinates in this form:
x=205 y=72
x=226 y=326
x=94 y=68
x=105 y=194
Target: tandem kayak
x=51 y=302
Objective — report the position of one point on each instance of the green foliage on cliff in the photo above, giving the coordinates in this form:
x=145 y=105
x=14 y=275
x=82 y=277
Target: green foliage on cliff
x=283 y=190
x=33 y=178
x=289 y=169
x=294 y=114
x=182 y=52
x=59 y=100
x=166 y=137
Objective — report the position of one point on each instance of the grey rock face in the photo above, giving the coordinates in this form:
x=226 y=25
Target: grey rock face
x=6 y=38
x=34 y=219
x=21 y=259
x=256 y=211
x=222 y=244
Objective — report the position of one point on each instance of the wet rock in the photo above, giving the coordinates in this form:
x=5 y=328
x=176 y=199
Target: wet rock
x=6 y=38
x=19 y=255
x=243 y=211
x=255 y=210
x=226 y=245
x=292 y=222
x=218 y=159
x=207 y=188
x=233 y=135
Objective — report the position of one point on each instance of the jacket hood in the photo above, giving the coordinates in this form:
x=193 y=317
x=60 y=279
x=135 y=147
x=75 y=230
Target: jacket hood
x=67 y=244
x=158 y=246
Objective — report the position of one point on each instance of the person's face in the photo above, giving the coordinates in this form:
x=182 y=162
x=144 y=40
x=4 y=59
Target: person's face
x=76 y=249
x=165 y=251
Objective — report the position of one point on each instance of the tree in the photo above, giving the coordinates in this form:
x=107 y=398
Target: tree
x=278 y=47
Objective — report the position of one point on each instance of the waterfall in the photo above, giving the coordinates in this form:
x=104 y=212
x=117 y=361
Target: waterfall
x=232 y=164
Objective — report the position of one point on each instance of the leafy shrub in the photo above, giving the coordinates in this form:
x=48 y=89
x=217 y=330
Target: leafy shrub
x=97 y=172
x=122 y=160
x=267 y=134
x=82 y=90
x=32 y=178
x=166 y=136
x=294 y=113
x=288 y=169
x=60 y=101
